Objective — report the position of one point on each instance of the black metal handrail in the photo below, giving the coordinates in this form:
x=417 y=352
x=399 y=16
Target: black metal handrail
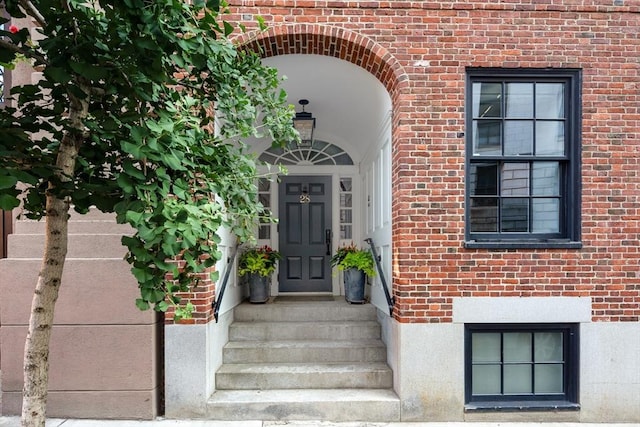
x=376 y=257
x=218 y=302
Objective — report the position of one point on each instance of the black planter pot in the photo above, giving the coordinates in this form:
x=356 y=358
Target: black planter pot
x=354 y=285
x=259 y=288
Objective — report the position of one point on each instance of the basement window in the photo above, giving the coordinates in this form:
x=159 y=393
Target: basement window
x=521 y=367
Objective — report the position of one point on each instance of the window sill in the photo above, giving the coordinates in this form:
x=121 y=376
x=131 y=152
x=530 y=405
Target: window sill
x=522 y=244
x=522 y=405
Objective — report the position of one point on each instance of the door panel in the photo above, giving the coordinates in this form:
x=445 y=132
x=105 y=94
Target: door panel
x=316 y=223
x=293 y=224
x=305 y=218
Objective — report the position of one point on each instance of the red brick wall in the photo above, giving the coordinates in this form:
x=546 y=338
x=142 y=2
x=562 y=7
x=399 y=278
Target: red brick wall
x=201 y=296
x=419 y=51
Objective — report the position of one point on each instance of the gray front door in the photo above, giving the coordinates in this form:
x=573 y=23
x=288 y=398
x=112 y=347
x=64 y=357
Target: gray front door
x=305 y=234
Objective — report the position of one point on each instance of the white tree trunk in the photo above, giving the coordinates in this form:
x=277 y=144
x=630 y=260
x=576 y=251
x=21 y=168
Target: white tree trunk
x=36 y=348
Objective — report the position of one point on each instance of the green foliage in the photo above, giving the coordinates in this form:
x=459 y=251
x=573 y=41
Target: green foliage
x=262 y=261
x=169 y=100
x=351 y=257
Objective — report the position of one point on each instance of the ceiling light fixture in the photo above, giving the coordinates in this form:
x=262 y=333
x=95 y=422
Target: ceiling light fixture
x=304 y=123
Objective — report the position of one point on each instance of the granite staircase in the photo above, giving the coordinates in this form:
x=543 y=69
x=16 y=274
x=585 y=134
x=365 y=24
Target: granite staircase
x=304 y=360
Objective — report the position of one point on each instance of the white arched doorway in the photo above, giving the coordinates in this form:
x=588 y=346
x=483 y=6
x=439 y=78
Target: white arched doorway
x=351 y=149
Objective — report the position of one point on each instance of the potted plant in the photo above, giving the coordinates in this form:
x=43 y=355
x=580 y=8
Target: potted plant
x=355 y=263
x=258 y=264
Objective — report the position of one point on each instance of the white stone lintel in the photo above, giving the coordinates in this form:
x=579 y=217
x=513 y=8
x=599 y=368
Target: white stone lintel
x=522 y=310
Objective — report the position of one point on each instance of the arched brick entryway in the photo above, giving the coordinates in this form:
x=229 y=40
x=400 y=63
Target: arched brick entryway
x=331 y=41
x=347 y=45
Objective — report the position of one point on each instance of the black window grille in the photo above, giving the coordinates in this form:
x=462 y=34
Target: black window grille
x=523 y=157
x=521 y=366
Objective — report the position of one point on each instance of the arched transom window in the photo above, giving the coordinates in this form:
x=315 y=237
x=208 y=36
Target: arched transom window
x=317 y=153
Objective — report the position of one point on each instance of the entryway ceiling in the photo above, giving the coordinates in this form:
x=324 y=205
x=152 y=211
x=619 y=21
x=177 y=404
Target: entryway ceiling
x=350 y=105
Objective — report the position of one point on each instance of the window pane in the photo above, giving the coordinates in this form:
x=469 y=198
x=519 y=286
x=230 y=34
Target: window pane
x=318 y=145
x=549 y=379
x=343 y=159
x=550 y=100
x=346 y=216
x=484 y=179
x=518 y=138
x=487 y=100
x=264 y=232
x=346 y=200
x=485 y=379
x=515 y=179
x=485 y=347
x=332 y=150
x=264 y=185
x=546 y=216
x=487 y=136
x=345 y=232
x=264 y=199
x=515 y=215
x=546 y=179
x=517 y=347
x=517 y=379
x=484 y=215
x=548 y=347
x=519 y=100
x=549 y=138
x=323 y=161
x=345 y=184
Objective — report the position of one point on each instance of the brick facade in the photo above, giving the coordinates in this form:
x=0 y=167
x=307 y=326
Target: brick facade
x=420 y=51
x=201 y=296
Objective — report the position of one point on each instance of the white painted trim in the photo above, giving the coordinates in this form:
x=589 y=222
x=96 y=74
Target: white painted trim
x=335 y=172
x=521 y=309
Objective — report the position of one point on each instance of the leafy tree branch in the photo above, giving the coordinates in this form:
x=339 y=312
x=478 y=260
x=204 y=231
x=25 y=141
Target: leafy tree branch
x=141 y=111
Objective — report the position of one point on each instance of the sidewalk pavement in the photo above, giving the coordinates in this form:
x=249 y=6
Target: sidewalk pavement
x=15 y=422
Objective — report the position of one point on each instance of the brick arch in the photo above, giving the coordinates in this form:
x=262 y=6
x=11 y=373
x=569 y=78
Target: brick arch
x=330 y=41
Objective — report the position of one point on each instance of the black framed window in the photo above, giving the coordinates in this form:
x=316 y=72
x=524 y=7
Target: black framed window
x=521 y=366
x=523 y=158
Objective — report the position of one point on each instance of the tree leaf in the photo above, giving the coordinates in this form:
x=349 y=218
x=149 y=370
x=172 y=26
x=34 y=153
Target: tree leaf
x=7 y=181
x=89 y=71
x=57 y=74
x=228 y=29
x=8 y=202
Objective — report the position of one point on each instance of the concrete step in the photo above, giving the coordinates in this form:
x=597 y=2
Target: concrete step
x=269 y=376
x=312 y=311
x=327 y=404
x=280 y=331
x=304 y=351
x=304 y=360
x=80 y=246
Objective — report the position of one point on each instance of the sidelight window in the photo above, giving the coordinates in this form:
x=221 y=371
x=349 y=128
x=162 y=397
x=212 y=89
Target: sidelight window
x=264 y=196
